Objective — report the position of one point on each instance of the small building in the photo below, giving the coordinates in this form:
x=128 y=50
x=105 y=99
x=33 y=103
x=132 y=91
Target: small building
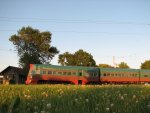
x=1 y=79
x=12 y=75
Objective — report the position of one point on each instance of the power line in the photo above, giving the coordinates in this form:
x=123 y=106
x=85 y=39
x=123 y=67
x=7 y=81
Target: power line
x=7 y=50
x=85 y=32
x=14 y=19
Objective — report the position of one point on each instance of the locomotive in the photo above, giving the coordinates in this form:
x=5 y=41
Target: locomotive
x=42 y=73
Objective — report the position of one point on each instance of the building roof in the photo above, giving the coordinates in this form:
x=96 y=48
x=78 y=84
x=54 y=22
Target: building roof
x=16 y=70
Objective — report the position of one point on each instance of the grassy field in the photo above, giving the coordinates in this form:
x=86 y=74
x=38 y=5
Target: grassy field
x=74 y=99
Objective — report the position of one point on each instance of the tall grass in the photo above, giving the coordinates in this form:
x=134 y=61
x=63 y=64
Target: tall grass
x=74 y=99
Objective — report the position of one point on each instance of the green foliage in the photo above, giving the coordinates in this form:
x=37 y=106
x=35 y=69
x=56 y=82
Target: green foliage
x=105 y=66
x=66 y=59
x=80 y=99
x=145 y=65
x=33 y=46
x=123 y=65
x=14 y=104
x=79 y=58
x=84 y=59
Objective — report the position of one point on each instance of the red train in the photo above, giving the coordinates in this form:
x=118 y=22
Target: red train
x=41 y=73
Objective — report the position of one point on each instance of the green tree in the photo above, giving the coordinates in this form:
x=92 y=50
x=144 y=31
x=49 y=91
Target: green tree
x=66 y=59
x=145 y=65
x=123 y=65
x=105 y=66
x=83 y=58
x=33 y=46
x=79 y=58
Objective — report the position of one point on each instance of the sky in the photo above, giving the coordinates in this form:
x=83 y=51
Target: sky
x=104 y=28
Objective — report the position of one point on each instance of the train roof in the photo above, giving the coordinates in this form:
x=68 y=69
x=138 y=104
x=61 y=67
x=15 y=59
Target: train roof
x=124 y=70
x=145 y=70
x=37 y=66
x=64 y=67
x=119 y=70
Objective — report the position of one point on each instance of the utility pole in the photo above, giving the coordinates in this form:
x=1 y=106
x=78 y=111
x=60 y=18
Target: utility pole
x=114 y=64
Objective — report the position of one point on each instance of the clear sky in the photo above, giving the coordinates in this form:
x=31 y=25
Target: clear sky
x=104 y=28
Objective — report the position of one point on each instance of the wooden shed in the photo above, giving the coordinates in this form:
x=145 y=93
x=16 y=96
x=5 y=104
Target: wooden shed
x=12 y=75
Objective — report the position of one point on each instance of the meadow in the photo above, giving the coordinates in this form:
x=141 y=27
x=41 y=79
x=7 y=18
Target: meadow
x=74 y=99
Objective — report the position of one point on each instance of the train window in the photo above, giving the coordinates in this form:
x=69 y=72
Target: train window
x=145 y=75
x=129 y=75
x=104 y=74
x=44 y=72
x=108 y=74
x=60 y=73
x=49 y=72
x=64 y=73
x=116 y=74
x=91 y=74
x=37 y=71
x=54 y=72
x=80 y=73
x=133 y=75
x=69 y=73
x=119 y=74
x=112 y=74
x=73 y=73
x=33 y=72
x=41 y=72
x=95 y=74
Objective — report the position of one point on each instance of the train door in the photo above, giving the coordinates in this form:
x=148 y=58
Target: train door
x=80 y=73
x=79 y=82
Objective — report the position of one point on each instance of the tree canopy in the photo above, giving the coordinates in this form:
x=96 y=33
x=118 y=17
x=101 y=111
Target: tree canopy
x=105 y=66
x=79 y=58
x=33 y=46
x=145 y=65
x=123 y=65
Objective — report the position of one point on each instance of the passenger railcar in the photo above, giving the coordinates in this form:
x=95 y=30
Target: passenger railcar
x=41 y=73
x=116 y=75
